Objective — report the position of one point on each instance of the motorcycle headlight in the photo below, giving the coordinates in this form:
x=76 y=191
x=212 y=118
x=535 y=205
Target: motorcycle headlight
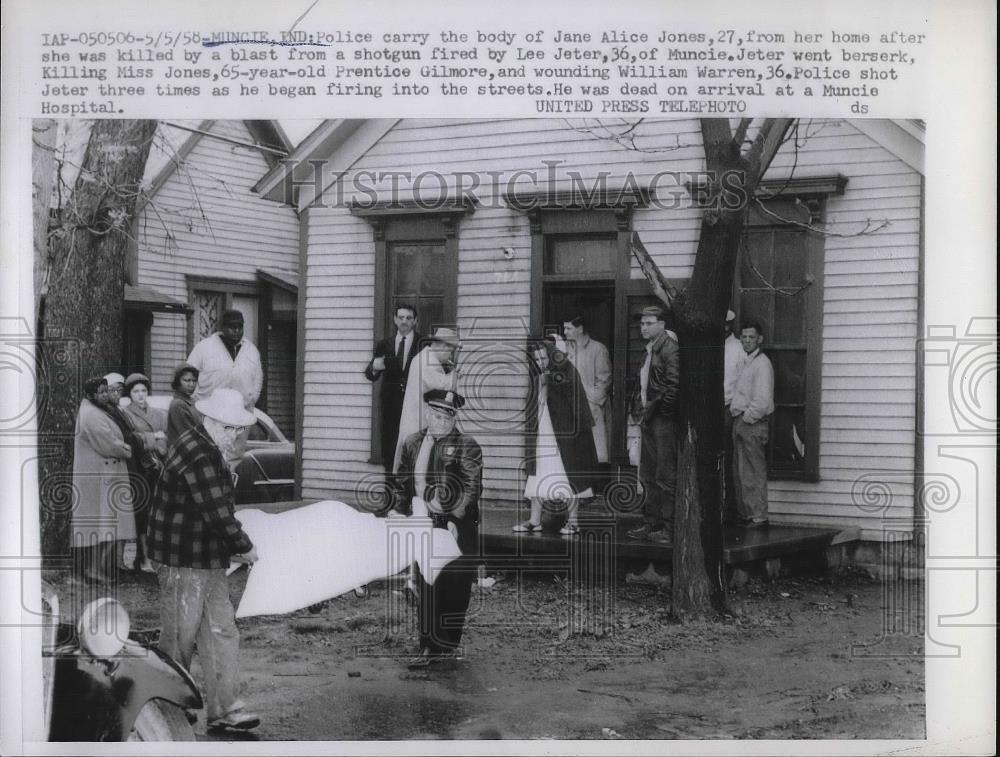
x=103 y=628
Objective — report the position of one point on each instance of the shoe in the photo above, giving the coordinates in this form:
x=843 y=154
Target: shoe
x=526 y=528
x=661 y=536
x=421 y=661
x=147 y=567
x=237 y=720
x=570 y=529
x=755 y=523
x=642 y=532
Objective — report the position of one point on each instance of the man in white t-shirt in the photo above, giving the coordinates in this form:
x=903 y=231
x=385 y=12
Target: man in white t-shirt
x=227 y=360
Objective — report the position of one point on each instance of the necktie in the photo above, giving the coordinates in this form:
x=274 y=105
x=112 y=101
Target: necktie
x=401 y=351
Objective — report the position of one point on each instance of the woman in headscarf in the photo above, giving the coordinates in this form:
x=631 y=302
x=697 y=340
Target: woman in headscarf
x=182 y=414
x=102 y=513
x=563 y=467
x=150 y=425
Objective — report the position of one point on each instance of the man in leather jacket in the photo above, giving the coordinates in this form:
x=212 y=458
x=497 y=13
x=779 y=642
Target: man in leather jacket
x=659 y=388
x=442 y=469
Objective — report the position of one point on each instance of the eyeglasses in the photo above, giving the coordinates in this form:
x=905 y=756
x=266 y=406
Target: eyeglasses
x=234 y=429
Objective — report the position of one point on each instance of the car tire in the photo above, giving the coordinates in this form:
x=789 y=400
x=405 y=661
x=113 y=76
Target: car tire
x=161 y=721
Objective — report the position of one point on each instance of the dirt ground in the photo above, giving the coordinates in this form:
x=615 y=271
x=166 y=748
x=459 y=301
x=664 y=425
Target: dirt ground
x=801 y=657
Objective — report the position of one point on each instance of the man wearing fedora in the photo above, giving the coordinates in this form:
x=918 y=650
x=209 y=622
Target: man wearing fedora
x=659 y=386
x=390 y=364
x=434 y=367
x=441 y=470
x=192 y=536
x=226 y=359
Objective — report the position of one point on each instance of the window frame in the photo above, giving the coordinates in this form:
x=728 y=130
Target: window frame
x=810 y=197
x=414 y=223
x=227 y=288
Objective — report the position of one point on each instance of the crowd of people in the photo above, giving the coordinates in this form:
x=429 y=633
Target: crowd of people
x=164 y=479
x=568 y=416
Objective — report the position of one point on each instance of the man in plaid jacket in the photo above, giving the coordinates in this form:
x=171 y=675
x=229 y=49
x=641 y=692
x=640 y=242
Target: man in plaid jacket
x=192 y=536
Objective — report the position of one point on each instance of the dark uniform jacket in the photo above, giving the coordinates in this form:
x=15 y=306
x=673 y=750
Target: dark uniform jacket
x=454 y=475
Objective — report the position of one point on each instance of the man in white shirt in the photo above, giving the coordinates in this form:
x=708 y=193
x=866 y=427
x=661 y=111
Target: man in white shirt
x=733 y=356
x=390 y=364
x=751 y=407
x=225 y=360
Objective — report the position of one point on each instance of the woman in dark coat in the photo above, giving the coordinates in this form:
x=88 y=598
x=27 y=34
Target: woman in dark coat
x=564 y=465
x=182 y=414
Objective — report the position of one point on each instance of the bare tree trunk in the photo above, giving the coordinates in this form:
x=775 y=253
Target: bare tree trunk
x=84 y=308
x=699 y=577
x=42 y=177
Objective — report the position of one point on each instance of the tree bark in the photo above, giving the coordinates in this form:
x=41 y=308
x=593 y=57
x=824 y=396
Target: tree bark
x=84 y=307
x=42 y=177
x=699 y=312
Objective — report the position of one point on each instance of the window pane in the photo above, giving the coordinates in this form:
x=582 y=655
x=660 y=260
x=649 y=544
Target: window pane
x=756 y=306
x=789 y=259
x=756 y=254
x=430 y=314
x=417 y=269
x=789 y=320
x=789 y=376
x=788 y=439
x=207 y=311
x=579 y=256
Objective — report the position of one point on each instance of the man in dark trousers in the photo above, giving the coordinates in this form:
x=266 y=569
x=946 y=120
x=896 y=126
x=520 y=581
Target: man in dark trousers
x=441 y=469
x=390 y=364
x=659 y=381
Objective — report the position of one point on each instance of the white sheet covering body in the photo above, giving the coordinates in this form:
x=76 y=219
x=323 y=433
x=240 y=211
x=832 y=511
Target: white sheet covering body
x=320 y=551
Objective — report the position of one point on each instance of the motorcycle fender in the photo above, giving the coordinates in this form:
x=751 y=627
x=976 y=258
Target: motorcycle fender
x=146 y=673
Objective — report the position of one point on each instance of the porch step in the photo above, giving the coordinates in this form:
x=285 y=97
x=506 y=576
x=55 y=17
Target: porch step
x=601 y=530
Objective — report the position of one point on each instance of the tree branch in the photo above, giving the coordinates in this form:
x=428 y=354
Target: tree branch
x=765 y=147
x=661 y=287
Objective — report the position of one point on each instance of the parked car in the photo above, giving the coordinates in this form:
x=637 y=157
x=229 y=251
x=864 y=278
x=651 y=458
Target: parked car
x=100 y=685
x=266 y=472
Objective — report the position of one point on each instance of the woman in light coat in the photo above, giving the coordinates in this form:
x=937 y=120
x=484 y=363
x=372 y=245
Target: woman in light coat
x=102 y=512
x=433 y=368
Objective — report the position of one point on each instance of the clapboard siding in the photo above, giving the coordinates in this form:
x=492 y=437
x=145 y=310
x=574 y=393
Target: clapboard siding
x=204 y=221
x=870 y=297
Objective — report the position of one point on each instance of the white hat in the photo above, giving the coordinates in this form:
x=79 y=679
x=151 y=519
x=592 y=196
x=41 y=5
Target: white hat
x=226 y=406
x=114 y=378
x=446 y=335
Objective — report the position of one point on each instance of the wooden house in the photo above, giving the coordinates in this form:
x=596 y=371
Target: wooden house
x=202 y=242
x=503 y=227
